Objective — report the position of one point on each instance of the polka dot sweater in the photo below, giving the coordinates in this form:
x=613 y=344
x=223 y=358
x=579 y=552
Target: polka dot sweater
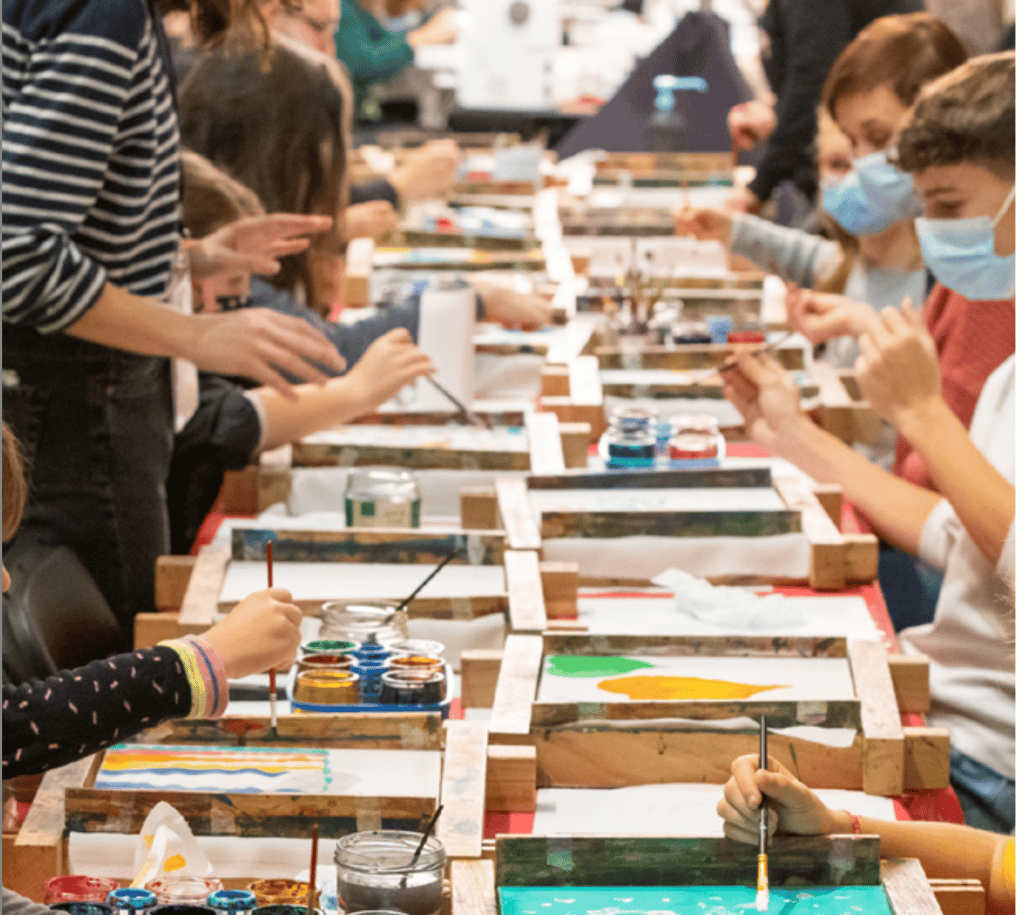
x=48 y=723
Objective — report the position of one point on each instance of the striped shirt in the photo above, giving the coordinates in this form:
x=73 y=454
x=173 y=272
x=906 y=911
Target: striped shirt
x=90 y=158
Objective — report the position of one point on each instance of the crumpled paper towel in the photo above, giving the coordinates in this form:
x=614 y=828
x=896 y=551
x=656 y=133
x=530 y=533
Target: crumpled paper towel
x=722 y=605
x=166 y=846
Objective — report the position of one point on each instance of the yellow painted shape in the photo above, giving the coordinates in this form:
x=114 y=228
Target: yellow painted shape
x=174 y=863
x=682 y=688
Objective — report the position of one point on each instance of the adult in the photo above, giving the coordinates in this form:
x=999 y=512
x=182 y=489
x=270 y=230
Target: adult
x=90 y=239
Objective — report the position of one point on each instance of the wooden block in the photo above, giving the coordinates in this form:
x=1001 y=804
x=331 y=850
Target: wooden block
x=463 y=788
x=274 y=484
x=200 y=602
x=511 y=779
x=171 y=583
x=587 y=394
x=554 y=381
x=239 y=492
x=526 y=611
x=479 y=673
x=517 y=518
x=597 y=523
x=959 y=897
x=925 y=758
x=909 y=675
x=545 y=443
x=40 y=850
x=682 y=861
x=831 y=498
x=478 y=507
x=828 y=551
x=151 y=628
x=860 y=558
x=516 y=689
x=560 y=581
x=358 y=267
x=473 y=888
x=907 y=887
x=575 y=444
x=880 y=719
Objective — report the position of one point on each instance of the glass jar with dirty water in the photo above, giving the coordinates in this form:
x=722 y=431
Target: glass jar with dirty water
x=377 y=870
x=382 y=497
x=369 y=622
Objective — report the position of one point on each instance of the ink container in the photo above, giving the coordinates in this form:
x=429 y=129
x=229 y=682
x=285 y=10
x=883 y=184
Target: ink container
x=696 y=442
x=412 y=687
x=327 y=687
x=324 y=662
x=382 y=497
x=376 y=871
x=174 y=891
x=421 y=663
x=370 y=671
x=131 y=899
x=328 y=646
x=372 y=621
x=630 y=440
x=232 y=902
x=78 y=888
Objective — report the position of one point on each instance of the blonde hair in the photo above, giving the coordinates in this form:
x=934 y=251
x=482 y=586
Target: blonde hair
x=13 y=482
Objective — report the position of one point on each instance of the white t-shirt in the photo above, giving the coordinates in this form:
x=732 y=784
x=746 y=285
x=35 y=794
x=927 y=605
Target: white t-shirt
x=971 y=641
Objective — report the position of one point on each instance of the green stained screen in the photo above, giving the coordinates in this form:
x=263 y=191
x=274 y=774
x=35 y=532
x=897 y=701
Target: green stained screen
x=690 y=900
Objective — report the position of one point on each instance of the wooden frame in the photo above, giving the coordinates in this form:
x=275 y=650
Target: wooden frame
x=574 y=394
x=581 y=745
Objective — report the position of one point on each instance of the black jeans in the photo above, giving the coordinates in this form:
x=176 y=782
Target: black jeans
x=96 y=428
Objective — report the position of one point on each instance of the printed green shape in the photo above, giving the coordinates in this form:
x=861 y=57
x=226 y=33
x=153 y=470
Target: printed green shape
x=571 y=665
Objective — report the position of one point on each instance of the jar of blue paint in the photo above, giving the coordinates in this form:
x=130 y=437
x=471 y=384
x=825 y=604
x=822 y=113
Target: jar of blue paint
x=630 y=440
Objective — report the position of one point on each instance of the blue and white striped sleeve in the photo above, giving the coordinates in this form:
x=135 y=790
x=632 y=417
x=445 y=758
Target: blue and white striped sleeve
x=64 y=107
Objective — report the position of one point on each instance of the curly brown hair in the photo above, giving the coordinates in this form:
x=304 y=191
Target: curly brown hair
x=968 y=115
x=902 y=51
x=13 y=483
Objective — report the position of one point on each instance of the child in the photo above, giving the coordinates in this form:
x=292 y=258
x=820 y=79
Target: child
x=959 y=146
x=945 y=850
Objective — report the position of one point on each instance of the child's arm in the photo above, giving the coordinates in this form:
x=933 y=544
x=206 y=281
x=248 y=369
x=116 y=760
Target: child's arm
x=770 y=403
x=55 y=721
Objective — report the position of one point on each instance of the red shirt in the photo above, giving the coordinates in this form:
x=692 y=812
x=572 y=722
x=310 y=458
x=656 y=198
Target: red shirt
x=973 y=339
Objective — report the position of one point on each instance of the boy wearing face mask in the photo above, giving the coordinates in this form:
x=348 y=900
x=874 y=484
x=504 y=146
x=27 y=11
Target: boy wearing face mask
x=959 y=146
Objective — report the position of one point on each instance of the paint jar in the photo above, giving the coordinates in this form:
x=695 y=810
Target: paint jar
x=412 y=687
x=370 y=671
x=328 y=646
x=184 y=890
x=372 y=651
x=324 y=662
x=696 y=438
x=83 y=908
x=78 y=888
x=280 y=908
x=382 y=497
x=237 y=902
x=416 y=662
x=283 y=892
x=428 y=647
x=182 y=908
x=376 y=871
x=131 y=899
x=327 y=687
x=719 y=326
x=630 y=439
x=372 y=621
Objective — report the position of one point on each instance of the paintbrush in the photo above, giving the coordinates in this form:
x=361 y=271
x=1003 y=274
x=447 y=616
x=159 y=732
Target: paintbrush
x=273 y=670
x=761 y=901
x=427 y=830
x=429 y=578
x=311 y=895
x=464 y=413
x=730 y=364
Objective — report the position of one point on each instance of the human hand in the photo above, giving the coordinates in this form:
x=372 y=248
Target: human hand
x=792 y=807
x=253 y=244
x=370 y=219
x=515 y=310
x=704 y=224
x=428 y=171
x=390 y=363
x=766 y=396
x=750 y=123
x=258 y=343
x=260 y=633
x=441 y=28
x=744 y=200
x=898 y=369
x=822 y=316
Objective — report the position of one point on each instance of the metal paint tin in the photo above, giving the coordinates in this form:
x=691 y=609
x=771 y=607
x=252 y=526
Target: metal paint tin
x=382 y=497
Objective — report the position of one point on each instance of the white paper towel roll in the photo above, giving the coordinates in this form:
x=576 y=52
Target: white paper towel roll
x=447 y=322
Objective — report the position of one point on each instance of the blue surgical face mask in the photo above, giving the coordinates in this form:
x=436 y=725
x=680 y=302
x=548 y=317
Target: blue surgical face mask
x=962 y=254
x=872 y=197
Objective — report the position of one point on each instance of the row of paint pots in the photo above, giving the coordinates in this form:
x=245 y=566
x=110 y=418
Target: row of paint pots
x=407 y=672
x=382 y=872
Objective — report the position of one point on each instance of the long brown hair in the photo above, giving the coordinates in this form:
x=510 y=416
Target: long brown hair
x=13 y=482
x=277 y=122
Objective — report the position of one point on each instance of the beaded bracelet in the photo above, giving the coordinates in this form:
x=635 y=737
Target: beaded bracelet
x=854 y=822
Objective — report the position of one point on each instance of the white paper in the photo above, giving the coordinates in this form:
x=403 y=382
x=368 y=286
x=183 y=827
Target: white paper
x=447 y=323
